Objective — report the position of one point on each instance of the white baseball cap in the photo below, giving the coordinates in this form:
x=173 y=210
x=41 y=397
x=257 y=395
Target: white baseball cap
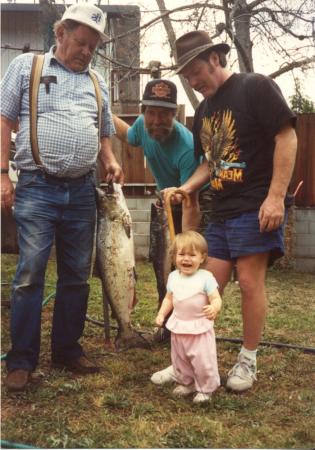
x=87 y=14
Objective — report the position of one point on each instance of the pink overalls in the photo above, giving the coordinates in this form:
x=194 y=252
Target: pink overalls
x=193 y=346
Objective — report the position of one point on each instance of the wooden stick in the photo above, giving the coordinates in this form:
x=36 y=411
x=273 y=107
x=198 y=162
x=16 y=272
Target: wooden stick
x=168 y=207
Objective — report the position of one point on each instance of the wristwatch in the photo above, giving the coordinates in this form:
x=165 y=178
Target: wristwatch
x=4 y=170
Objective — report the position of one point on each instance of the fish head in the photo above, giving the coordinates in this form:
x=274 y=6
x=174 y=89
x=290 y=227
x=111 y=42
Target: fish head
x=109 y=200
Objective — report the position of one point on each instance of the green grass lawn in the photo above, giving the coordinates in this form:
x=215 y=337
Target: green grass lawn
x=121 y=408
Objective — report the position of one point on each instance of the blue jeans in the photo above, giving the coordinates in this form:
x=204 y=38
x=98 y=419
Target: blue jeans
x=48 y=210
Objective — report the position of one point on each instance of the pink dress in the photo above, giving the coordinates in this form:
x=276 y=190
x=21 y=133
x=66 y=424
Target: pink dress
x=193 y=346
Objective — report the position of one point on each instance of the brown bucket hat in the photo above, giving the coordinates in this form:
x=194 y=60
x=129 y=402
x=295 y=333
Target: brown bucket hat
x=190 y=45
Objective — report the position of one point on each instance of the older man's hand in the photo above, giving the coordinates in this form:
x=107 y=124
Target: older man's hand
x=7 y=192
x=114 y=173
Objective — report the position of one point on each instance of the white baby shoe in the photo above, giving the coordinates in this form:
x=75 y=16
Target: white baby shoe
x=181 y=390
x=200 y=397
x=164 y=376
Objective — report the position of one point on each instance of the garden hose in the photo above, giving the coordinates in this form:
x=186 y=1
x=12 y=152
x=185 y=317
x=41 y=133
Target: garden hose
x=8 y=444
x=100 y=323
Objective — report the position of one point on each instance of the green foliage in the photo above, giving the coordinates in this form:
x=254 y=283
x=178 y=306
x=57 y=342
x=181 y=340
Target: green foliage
x=299 y=103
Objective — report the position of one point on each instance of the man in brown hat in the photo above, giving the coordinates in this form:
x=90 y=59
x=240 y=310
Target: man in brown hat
x=244 y=131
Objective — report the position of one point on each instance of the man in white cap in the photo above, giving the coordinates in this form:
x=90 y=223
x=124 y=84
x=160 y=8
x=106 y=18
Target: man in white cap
x=55 y=201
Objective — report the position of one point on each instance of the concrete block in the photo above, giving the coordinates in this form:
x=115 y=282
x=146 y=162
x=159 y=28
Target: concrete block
x=305 y=265
x=141 y=240
x=141 y=252
x=139 y=215
x=312 y=228
x=304 y=251
x=305 y=240
x=305 y=214
x=144 y=203
x=141 y=228
x=302 y=227
x=131 y=203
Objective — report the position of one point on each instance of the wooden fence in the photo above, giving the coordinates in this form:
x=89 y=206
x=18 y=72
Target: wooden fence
x=305 y=161
x=139 y=180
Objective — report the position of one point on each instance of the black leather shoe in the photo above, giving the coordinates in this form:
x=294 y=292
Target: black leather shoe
x=79 y=365
x=17 y=379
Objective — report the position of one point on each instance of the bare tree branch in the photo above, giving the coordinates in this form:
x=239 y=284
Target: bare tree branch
x=166 y=13
x=200 y=16
x=172 y=37
x=255 y=3
x=280 y=25
x=266 y=22
x=293 y=65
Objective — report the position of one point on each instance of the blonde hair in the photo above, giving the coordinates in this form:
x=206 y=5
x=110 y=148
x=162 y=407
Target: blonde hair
x=190 y=240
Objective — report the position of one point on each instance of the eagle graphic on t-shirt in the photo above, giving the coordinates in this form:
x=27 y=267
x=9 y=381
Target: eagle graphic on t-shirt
x=217 y=136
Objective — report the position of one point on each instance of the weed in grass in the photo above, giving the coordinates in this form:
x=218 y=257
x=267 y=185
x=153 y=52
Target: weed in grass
x=190 y=437
x=68 y=388
x=143 y=409
x=116 y=401
x=232 y=402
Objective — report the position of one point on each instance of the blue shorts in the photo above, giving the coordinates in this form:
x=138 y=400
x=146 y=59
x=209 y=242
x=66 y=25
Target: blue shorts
x=231 y=238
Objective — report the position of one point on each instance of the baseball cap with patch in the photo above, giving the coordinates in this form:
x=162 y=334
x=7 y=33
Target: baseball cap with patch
x=87 y=14
x=160 y=93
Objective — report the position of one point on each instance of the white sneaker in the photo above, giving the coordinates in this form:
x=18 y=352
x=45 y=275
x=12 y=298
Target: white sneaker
x=200 y=398
x=164 y=376
x=182 y=390
x=242 y=375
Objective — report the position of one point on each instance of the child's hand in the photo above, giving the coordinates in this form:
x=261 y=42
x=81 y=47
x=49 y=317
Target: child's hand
x=159 y=320
x=211 y=311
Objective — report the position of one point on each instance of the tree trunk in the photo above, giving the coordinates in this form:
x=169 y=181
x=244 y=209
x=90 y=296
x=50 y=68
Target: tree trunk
x=172 y=37
x=240 y=18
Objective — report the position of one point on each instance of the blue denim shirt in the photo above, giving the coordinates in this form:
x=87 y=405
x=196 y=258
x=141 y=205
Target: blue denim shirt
x=67 y=124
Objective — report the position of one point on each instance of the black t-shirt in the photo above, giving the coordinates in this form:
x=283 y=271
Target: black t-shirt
x=235 y=130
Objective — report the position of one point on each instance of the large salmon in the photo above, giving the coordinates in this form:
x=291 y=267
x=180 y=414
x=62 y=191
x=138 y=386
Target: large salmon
x=160 y=248
x=160 y=253
x=161 y=258
x=116 y=262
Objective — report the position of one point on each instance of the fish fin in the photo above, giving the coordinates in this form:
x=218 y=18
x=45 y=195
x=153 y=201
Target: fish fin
x=134 y=301
x=132 y=340
x=161 y=335
x=127 y=226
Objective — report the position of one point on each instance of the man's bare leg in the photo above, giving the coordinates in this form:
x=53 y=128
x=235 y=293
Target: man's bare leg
x=251 y=272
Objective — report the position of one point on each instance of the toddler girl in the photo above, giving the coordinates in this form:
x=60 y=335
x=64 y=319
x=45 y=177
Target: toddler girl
x=193 y=295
